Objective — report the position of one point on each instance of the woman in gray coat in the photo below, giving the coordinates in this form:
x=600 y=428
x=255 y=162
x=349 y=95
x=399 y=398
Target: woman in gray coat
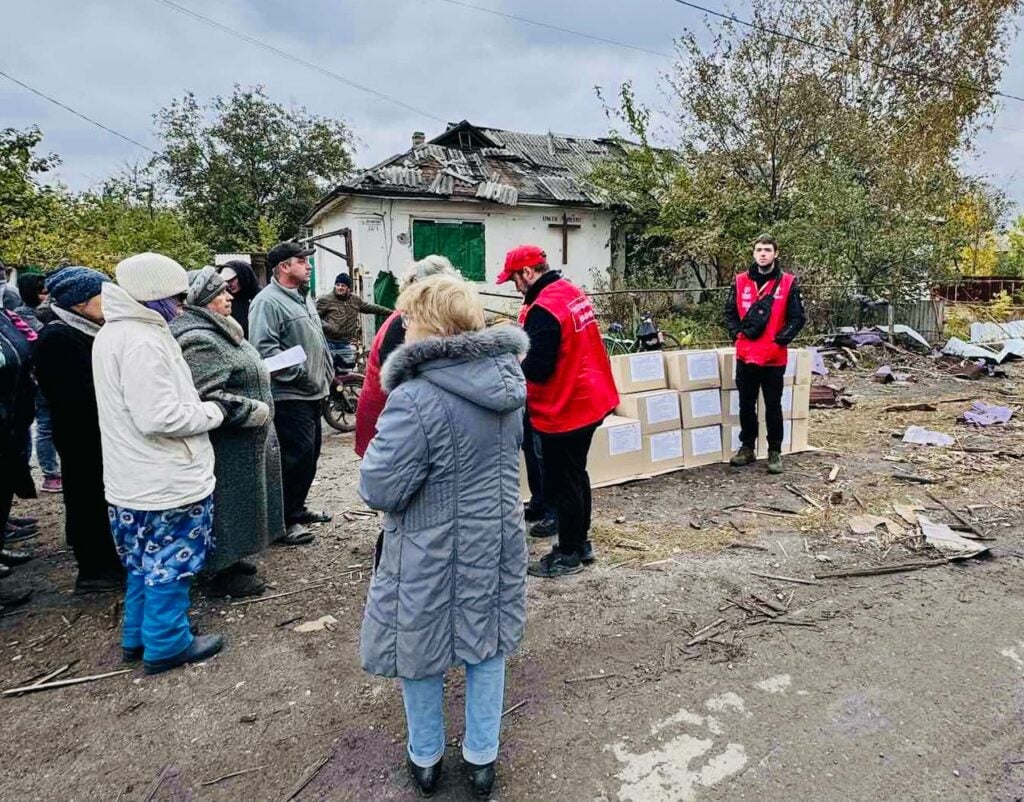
x=228 y=370
x=450 y=587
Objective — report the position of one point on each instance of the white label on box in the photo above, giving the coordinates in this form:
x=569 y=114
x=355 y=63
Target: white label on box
x=787 y=398
x=791 y=362
x=702 y=366
x=736 y=431
x=706 y=440
x=662 y=407
x=623 y=439
x=734 y=403
x=705 y=403
x=668 y=445
x=646 y=367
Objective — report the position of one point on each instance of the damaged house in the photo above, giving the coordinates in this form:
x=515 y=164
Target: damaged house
x=470 y=194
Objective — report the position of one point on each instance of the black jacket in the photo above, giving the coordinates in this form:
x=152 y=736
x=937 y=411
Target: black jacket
x=249 y=287
x=544 y=332
x=795 y=315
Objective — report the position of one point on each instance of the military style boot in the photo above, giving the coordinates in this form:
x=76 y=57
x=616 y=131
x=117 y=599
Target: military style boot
x=745 y=456
x=774 y=462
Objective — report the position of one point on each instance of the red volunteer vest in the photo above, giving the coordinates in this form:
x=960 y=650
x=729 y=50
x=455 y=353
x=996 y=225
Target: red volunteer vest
x=764 y=350
x=581 y=391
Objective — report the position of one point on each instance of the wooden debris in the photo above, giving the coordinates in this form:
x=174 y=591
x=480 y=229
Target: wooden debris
x=588 y=678
x=923 y=407
x=514 y=707
x=882 y=569
x=165 y=772
x=789 y=622
x=706 y=633
x=785 y=578
x=772 y=513
x=834 y=473
x=768 y=603
x=259 y=599
x=962 y=519
x=61 y=683
x=798 y=492
x=921 y=480
x=736 y=544
x=624 y=562
x=233 y=774
x=307 y=778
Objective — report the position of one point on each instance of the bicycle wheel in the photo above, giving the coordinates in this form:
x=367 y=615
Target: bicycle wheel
x=339 y=408
x=614 y=346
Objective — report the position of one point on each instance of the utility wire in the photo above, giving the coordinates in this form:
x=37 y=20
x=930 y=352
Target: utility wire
x=78 y=113
x=295 y=59
x=550 y=27
x=840 y=52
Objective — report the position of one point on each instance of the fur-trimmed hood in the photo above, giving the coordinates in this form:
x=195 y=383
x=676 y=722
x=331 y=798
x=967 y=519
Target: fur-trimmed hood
x=480 y=366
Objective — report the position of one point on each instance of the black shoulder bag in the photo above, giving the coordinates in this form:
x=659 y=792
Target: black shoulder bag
x=756 y=319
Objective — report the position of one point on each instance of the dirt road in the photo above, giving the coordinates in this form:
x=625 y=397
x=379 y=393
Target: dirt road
x=906 y=686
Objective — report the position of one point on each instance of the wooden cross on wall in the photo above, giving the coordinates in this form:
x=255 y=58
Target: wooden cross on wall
x=565 y=225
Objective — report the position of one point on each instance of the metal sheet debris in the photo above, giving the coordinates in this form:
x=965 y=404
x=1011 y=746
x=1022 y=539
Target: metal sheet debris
x=950 y=543
x=1011 y=348
x=997 y=332
x=906 y=331
x=982 y=414
x=817 y=363
x=918 y=435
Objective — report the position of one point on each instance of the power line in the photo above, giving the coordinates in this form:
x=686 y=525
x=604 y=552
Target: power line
x=293 y=58
x=550 y=27
x=78 y=114
x=840 y=52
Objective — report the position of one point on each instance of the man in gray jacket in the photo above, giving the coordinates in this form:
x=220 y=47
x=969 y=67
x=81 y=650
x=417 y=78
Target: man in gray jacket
x=282 y=316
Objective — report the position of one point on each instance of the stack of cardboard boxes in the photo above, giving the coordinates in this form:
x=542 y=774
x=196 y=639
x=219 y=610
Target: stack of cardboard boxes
x=680 y=409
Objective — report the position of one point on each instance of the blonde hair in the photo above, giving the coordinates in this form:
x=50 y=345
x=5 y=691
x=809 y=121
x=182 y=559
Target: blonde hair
x=442 y=306
x=426 y=267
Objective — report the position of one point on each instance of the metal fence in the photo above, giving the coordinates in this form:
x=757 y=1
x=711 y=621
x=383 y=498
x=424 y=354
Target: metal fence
x=696 y=316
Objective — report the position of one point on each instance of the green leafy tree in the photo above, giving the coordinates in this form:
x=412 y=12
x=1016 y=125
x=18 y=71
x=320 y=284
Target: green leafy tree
x=247 y=169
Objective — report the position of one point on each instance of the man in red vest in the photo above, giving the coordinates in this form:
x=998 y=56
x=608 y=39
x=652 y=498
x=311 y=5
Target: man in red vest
x=762 y=329
x=569 y=391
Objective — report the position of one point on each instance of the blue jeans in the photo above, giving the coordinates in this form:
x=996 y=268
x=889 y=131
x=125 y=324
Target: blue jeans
x=156 y=617
x=46 y=453
x=343 y=354
x=424 y=714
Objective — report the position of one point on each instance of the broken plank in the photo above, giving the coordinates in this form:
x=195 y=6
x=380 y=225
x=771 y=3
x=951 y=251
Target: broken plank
x=798 y=492
x=882 y=569
x=833 y=473
x=797 y=580
x=921 y=480
x=755 y=511
x=768 y=603
x=62 y=683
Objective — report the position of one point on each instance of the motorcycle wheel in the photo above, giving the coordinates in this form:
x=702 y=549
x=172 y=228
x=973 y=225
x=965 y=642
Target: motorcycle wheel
x=339 y=408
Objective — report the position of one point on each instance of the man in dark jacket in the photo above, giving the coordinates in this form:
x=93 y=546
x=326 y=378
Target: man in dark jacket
x=243 y=286
x=761 y=358
x=340 y=310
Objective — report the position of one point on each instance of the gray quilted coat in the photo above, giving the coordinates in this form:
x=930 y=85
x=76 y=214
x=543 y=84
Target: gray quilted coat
x=444 y=468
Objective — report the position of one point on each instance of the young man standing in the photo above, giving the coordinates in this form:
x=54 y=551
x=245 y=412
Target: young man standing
x=761 y=347
x=282 y=316
x=569 y=391
x=339 y=312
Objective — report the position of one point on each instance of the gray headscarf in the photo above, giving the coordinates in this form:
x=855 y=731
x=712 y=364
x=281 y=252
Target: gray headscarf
x=206 y=285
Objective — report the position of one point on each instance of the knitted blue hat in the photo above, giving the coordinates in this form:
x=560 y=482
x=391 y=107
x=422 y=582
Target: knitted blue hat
x=71 y=286
x=343 y=278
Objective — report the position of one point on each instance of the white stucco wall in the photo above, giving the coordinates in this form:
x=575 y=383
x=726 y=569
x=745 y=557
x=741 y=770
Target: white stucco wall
x=377 y=224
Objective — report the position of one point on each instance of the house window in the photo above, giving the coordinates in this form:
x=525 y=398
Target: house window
x=462 y=243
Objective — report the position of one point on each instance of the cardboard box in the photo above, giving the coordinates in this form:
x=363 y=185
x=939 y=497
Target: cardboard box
x=664 y=451
x=637 y=373
x=798 y=438
x=701 y=408
x=727 y=367
x=731 y=443
x=801 y=408
x=617 y=450
x=657 y=410
x=730 y=406
x=692 y=370
x=787 y=403
x=798 y=367
x=791 y=429
x=702 y=446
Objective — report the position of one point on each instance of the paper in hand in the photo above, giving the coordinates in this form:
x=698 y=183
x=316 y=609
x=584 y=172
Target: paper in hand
x=295 y=355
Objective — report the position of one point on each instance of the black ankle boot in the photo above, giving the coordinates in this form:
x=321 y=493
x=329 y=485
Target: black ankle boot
x=427 y=779
x=481 y=779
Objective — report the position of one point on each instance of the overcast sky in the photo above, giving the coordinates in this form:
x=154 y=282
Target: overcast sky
x=118 y=61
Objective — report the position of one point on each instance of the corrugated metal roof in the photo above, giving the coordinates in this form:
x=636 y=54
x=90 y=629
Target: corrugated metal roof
x=520 y=167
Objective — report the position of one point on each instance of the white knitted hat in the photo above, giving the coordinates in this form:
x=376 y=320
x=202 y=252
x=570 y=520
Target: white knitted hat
x=151 y=277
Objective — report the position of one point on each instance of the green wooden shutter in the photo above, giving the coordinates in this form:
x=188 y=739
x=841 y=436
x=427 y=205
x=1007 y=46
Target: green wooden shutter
x=462 y=243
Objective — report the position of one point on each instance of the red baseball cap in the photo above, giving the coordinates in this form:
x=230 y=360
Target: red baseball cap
x=520 y=258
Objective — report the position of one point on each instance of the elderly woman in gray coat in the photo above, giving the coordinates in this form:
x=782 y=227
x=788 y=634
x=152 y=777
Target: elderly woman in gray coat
x=450 y=587
x=228 y=370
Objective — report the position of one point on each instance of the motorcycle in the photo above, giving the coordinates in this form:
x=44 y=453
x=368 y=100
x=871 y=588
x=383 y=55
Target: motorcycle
x=339 y=408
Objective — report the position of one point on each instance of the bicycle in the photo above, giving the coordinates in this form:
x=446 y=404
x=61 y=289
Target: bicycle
x=648 y=338
x=339 y=408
